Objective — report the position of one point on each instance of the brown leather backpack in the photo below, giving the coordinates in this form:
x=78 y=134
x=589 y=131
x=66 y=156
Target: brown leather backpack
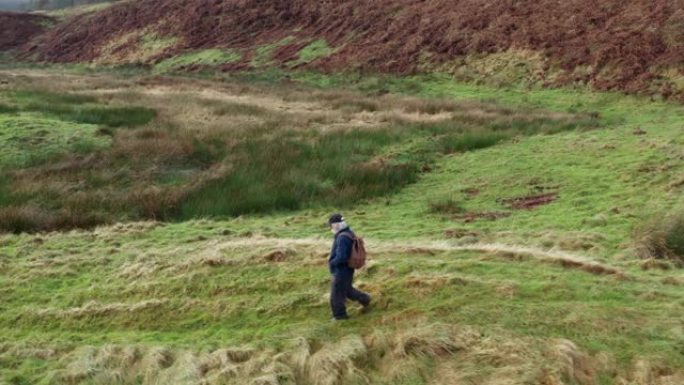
x=357 y=259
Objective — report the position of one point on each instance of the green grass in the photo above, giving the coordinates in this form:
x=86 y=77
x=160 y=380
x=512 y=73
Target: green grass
x=40 y=129
x=609 y=172
x=105 y=116
x=294 y=170
x=80 y=109
x=241 y=297
x=199 y=286
x=208 y=57
x=155 y=43
x=270 y=166
x=289 y=170
x=5 y=109
x=38 y=126
x=263 y=55
x=313 y=51
x=28 y=140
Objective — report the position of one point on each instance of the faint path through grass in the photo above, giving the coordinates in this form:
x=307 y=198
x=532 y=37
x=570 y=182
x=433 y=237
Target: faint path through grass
x=553 y=256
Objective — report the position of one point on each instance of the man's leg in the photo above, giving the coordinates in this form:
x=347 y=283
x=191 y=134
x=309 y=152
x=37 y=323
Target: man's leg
x=357 y=295
x=338 y=295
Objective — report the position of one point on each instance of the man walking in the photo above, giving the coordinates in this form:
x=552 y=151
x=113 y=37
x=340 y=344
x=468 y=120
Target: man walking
x=342 y=272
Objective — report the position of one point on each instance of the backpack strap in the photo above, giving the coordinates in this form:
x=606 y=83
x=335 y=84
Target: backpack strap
x=347 y=235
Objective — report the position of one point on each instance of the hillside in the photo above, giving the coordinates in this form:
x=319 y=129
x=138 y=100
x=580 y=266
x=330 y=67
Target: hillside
x=60 y=4
x=514 y=258
x=632 y=46
x=198 y=303
x=19 y=28
x=515 y=168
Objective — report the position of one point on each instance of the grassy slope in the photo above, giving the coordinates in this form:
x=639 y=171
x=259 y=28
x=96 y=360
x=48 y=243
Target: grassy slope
x=203 y=285
x=594 y=172
x=189 y=286
x=298 y=147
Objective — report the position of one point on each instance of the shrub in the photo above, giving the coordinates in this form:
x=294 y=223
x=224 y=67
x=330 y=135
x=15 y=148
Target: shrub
x=662 y=238
x=19 y=219
x=28 y=218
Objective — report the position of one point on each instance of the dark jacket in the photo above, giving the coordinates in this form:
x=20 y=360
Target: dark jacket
x=340 y=253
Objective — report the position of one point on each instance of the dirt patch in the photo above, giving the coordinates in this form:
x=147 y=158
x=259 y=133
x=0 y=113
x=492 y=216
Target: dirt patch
x=674 y=281
x=471 y=191
x=16 y=29
x=460 y=233
x=470 y=217
x=278 y=255
x=420 y=251
x=589 y=267
x=530 y=202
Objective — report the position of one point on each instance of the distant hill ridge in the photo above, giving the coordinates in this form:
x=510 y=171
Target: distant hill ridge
x=635 y=46
x=59 y=4
x=23 y=5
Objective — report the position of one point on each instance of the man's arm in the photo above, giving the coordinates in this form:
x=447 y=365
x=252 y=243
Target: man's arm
x=344 y=246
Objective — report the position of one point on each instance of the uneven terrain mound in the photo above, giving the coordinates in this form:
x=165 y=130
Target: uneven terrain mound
x=16 y=29
x=636 y=46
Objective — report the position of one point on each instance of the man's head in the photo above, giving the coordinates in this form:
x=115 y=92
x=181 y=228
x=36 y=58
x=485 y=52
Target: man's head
x=337 y=223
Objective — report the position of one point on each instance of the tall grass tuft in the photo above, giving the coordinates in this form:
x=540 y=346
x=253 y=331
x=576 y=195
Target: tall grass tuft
x=471 y=141
x=232 y=109
x=111 y=116
x=25 y=218
x=662 y=238
x=81 y=109
x=284 y=173
x=7 y=109
x=445 y=206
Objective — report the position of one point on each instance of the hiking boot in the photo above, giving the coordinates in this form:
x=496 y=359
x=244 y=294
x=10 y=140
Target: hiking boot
x=365 y=308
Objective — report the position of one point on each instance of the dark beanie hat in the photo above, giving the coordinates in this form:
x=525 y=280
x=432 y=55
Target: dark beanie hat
x=335 y=218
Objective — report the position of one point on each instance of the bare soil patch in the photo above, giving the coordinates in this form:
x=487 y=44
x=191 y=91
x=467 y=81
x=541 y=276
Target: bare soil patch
x=531 y=201
x=487 y=215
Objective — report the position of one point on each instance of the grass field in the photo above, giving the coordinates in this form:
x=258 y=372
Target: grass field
x=175 y=149
x=505 y=228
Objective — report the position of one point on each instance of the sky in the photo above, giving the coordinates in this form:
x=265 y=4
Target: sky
x=12 y=4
